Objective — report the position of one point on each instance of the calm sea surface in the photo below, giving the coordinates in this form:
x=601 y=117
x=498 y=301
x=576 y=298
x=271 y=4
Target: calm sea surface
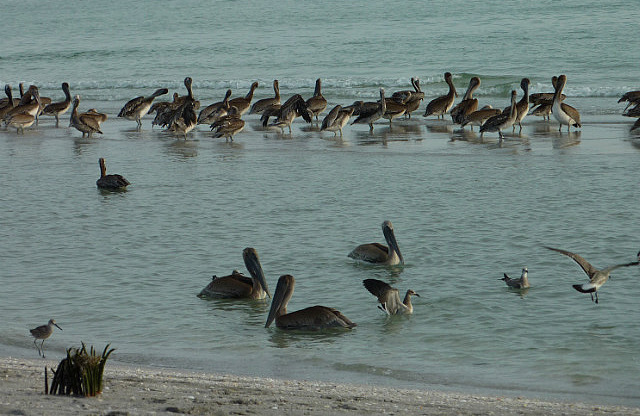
x=125 y=268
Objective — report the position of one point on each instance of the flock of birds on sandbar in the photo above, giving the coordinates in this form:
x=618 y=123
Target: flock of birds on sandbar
x=318 y=317
x=224 y=118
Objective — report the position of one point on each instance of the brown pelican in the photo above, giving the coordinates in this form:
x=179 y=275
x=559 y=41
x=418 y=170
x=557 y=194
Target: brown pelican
x=521 y=283
x=522 y=106
x=137 y=107
x=478 y=117
x=501 y=121
x=20 y=121
x=228 y=125
x=313 y=318
x=389 y=297
x=393 y=109
x=635 y=125
x=357 y=105
x=337 y=118
x=317 y=103
x=43 y=332
x=371 y=112
x=632 y=112
x=215 y=111
x=113 y=182
x=564 y=113
x=60 y=107
x=259 y=106
x=542 y=110
x=243 y=103
x=380 y=254
x=468 y=104
x=596 y=277
x=439 y=106
x=632 y=97
x=7 y=103
x=29 y=103
x=179 y=117
x=83 y=122
x=413 y=103
x=237 y=285
x=163 y=108
x=544 y=101
x=294 y=107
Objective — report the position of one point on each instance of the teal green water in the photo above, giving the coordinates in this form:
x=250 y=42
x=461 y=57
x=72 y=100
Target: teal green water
x=125 y=268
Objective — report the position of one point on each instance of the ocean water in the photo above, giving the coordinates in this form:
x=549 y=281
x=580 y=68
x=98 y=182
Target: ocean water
x=125 y=268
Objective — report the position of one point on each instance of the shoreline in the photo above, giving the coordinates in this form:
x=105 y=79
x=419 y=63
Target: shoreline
x=130 y=390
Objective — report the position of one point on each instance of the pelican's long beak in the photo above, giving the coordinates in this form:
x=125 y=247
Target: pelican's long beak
x=284 y=290
x=252 y=262
x=390 y=236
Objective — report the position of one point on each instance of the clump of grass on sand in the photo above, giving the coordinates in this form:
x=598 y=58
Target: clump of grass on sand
x=80 y=373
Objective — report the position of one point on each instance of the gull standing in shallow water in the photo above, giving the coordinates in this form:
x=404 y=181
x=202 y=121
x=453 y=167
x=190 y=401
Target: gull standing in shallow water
x=313 y=318
x=237 y=285
x=389 y=297
x=43 y=332
x=596 y=277
x=378 y=253
x=520 y=283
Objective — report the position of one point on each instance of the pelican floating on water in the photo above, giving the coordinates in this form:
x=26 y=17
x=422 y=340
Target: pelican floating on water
x=596 y=277
x=113 y=182
x=389 y=297
x=520 y=283
x=378 y=253
x=136 y=108
x=237 y=285
x=313 y=318
x=439 y=106
x=564 y=113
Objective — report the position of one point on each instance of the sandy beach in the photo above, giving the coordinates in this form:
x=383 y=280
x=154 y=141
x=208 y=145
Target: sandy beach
x=148 y=391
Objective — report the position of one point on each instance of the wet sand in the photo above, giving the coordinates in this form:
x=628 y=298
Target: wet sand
x=144 y=391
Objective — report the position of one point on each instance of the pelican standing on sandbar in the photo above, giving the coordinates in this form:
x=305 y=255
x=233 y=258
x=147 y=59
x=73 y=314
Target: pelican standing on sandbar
x=237 y=285
x=564 y=113
x=313 y=318
x=596 y=277
x=378 y=253
x=389 y=297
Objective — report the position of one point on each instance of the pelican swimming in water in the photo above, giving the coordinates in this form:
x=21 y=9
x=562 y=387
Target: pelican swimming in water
x=113 y=182
x=59 y=108
x=596 y=277
x=380 y=254
x=43 y=332
x=439 y=106
x=520 y=283
x=313 y=318
x=389 y=297
x=564 y=113
x=237 y=285
x=259 y=106
x=138 y=107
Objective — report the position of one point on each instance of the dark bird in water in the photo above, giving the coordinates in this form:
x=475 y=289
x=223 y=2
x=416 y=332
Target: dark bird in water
x=313 y=318
x=113 y=182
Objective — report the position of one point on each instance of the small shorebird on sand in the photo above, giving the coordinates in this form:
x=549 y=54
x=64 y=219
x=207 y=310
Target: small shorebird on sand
x=43 y=332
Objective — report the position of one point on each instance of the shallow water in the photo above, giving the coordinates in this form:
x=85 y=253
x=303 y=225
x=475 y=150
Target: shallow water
x=125 y=268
